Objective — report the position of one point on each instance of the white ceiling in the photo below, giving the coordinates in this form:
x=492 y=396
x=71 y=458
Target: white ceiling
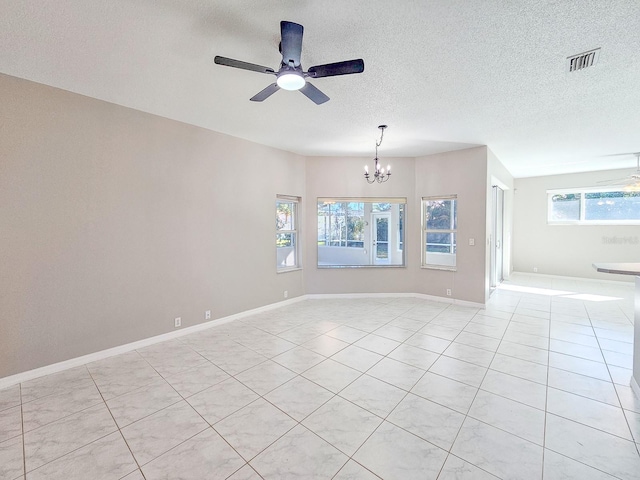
x=443 y=75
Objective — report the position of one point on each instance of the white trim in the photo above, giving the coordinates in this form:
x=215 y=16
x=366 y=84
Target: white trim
x=634 y=386
x=110 y=352
x=564 y=277
x=289 y=269
x=400 y=200
x=422 y=296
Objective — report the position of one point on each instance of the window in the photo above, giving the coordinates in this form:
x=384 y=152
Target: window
x=590 y=206
x=439 y=230
x=287 y=255
x=401 y=229
x=356 y=232
x=341 y=224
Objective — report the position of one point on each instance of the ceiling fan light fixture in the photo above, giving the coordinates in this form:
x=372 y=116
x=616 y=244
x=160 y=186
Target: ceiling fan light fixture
x=290 y=80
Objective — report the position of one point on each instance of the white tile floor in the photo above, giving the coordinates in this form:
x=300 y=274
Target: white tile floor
x=536 y=385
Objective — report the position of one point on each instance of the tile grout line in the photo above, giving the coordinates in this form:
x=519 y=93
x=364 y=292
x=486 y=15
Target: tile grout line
x=24 y=448
x=475 y=396
x=116 y=424
x=546 y=397
x=361 y=374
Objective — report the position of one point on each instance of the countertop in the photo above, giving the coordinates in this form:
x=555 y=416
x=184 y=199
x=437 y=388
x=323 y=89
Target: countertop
x=620 y=268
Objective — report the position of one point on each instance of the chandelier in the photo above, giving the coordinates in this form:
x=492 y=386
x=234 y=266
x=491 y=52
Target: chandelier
x=379 y=174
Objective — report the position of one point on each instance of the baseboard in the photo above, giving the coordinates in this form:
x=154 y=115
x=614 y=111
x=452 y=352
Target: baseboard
x=422 y=296
x=635 y=387
x=110 y=352
x=563 y=277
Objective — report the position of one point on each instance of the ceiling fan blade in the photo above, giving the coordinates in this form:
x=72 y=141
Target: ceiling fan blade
x=230 y=62
x=339 y=68
x=291 y=44
x=266 y=93
x=313 y=94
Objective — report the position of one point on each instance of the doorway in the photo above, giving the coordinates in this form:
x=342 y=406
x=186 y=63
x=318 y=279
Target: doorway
x=497 y=237
x=380 y=238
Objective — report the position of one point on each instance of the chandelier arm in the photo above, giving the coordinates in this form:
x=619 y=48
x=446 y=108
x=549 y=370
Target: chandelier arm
x=378 y=174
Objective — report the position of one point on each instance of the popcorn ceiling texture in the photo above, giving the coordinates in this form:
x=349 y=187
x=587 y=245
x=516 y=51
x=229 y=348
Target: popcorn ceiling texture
x=443 y=75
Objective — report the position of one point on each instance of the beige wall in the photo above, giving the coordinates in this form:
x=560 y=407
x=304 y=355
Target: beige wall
x=567 y=250
x=461 y=172
x=113 y=222
x=344 y=177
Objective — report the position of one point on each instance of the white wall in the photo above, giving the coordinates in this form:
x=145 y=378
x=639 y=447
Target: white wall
x=567 y=250
x=498 y=175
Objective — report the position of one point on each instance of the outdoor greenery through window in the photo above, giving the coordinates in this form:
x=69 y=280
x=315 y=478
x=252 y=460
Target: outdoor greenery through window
x=360 y=232
x=439 y=231
x=593 y=206
x=287 y=233
x=342 y=224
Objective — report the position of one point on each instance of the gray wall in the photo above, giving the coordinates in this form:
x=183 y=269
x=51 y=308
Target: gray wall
x=113 y=222
x=567 y=250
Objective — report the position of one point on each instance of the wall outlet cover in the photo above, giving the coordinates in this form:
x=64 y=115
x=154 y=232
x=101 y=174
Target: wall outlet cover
x=207 y=315
x=177 y=322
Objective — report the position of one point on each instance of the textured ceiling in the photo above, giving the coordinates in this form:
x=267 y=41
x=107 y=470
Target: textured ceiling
x=443 y=75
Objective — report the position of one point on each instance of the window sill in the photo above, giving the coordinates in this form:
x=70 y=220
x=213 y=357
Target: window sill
x=440 y=267
x=597 y=222
x=287 y=270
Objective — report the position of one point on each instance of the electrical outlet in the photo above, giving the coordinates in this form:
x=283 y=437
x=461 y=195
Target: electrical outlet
x=286 y=294
x=448 y=292
x=177 y=322
x=472 y=241
x=207 y=315
x=535 y=269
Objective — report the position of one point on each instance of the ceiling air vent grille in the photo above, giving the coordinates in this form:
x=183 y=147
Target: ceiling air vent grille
x=583 y=60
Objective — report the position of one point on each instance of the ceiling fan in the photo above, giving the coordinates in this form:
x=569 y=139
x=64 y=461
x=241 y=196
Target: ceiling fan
x=631 y=182
x=290 y=75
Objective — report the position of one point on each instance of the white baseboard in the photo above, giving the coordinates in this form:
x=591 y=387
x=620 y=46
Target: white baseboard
x=110 y=352
x=563 y=277
x=421 y=296
x=635 y=387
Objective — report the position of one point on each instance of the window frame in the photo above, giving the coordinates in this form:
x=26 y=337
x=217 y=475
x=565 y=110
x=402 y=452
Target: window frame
x=294 y=231
x=583 y=191
x=346 y=254
x=453 y=230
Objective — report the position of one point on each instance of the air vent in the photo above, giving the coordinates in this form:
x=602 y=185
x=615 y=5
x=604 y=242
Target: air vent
x=583 y=60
